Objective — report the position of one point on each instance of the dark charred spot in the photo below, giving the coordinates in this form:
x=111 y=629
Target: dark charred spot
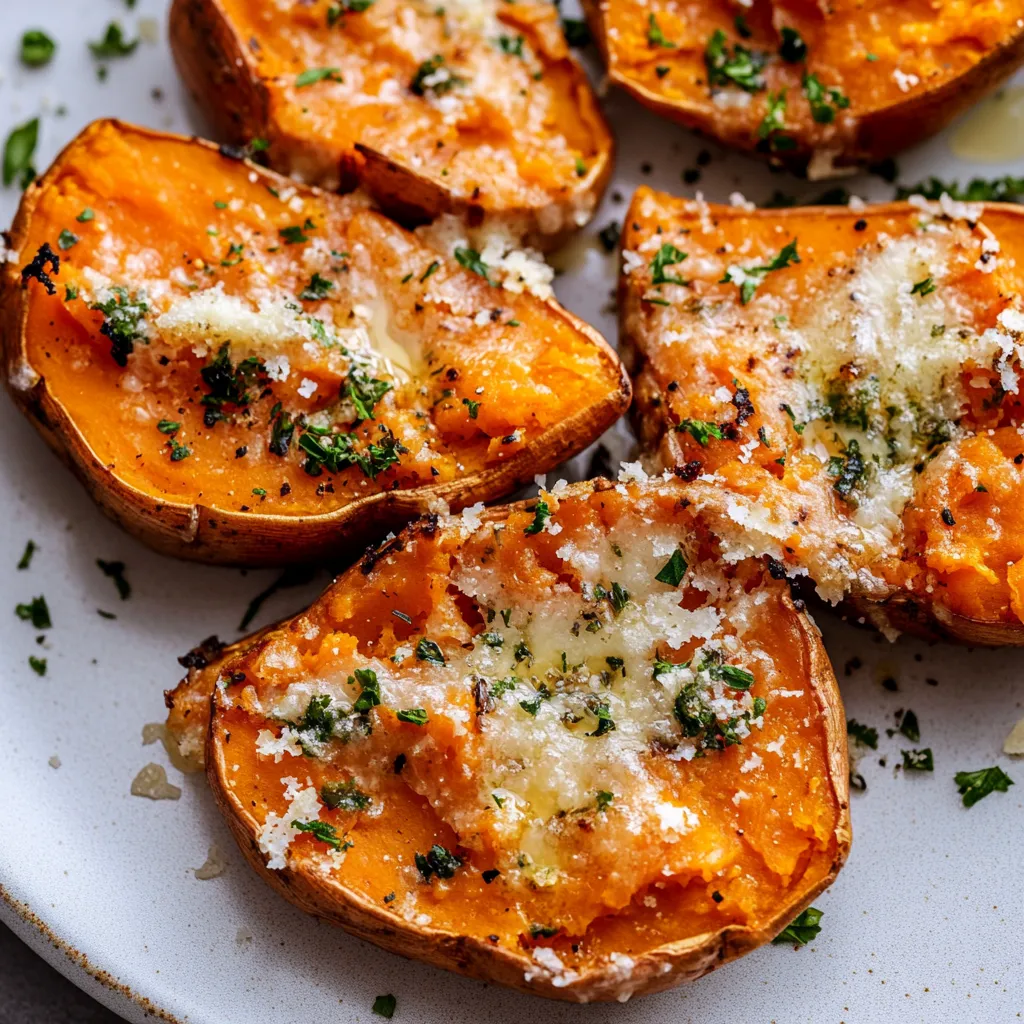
x=203 y=653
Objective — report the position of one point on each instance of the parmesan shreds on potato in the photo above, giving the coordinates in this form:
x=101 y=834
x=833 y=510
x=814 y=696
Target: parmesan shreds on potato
x=244 y=371
x=820 y=87
x=840 y=390
x=543 y=727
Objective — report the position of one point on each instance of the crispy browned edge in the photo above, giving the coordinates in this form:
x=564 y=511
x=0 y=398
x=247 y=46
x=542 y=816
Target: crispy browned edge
x=879 y=134
x=220 y=71
x=903 y=612
x=201 y=533
x=655 y=971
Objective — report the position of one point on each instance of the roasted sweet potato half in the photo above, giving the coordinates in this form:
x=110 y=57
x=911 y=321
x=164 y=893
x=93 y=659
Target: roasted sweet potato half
x=820 y=85
x=841 y=390
x=475 y=109
x=558 y=745
x=246 y=371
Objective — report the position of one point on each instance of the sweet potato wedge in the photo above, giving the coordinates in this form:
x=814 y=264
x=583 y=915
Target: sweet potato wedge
x=472 y=109
x=557 y=745
x=812 y=85
x=246 y=371
x=841 y=389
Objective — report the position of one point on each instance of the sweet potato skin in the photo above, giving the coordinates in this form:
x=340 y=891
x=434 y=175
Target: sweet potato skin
x=862 y=135
x=903 y=603
x=195 y=531
x=472 y=955
x=222 y=69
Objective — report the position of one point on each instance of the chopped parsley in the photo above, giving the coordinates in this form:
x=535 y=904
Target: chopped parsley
x=655 y=36
x=541 y=516
x=369 y=695
x=335 y=11
x=603 y=714
x=337 y=452
x=848 y=469
x=473 y=407
x=604 y=800
x=26 y=556
x=673 y=570
x=427 y=650
x=740 y=66
x=774 y=122
x=37 y=48
x=123 y=315
x=179 y=451
x=923 y=288
x=430 y=270
x=19 y=149
x=991 y=190
x=344 y=796
x=700 y=430
x=824 y=100
x=802 y=929
x=228 y=384
x=863 y=734
x=433 y=76
x=38 y=665
x=383 y=1006
x=35 y=611
x=470 y=259
x=113 y=43
x=749 y=278
x=365 y=392
x=168 y=426
x=918 y=760
x=66 y=239
x=975 y=786
x=115 y=571
x=313 y=75
x=86 y=215
x=295 y=234
x=414 y=716
x=317 y=288
x=909 y=726
x=667 y=255
x=792 y=49
x=438 y=861
x=324 y=831
x=511 y=45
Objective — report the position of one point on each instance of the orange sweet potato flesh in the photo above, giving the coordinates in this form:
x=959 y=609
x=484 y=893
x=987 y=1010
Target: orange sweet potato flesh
x=486 y=387
x=952 y=565
x=512 y=131
x=905 y=68
x=633 y=905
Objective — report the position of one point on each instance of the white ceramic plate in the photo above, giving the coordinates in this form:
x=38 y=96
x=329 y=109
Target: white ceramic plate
x=924 y=923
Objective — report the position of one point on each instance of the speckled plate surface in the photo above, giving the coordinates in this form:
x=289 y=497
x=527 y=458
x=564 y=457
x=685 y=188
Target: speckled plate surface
x=923 y=924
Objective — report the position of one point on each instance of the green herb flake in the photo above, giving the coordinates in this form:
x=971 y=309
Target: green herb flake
x=35 y=611
x=792 y=48
x=115 y=571
x=38 y=665
x=37 y=48
x=344 y=796
x=313 y=75
x=470 y=259
x=324 y=832
x=427 y=650
x=364 y=392
x=434 y=77
x=473 y=407
x=384 y=1006
x=667 y=255
x=655 y=36
x=19 y=149
x=749 y=278
x=26 y=556
x=918 y=760
x=866 y=735
x=802 y=929
x=123 y=321
x=66 y=239
x=438 y=861
x=541 y=516
x=673 y=570
x=604 y=800
x=909 y=726
x=975 y=786
x=924 y=287
x=700 y=430
x=738 y=66
x=179 y=451
x=414 y=716
x=824 y=100
x=86 y=215
x=113 y=43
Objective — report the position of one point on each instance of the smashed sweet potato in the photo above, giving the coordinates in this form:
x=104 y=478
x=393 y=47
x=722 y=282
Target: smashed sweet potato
x=821 y=86
x=247 y=371
x=559 y=745
x=470 y=108
x=841 y=390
